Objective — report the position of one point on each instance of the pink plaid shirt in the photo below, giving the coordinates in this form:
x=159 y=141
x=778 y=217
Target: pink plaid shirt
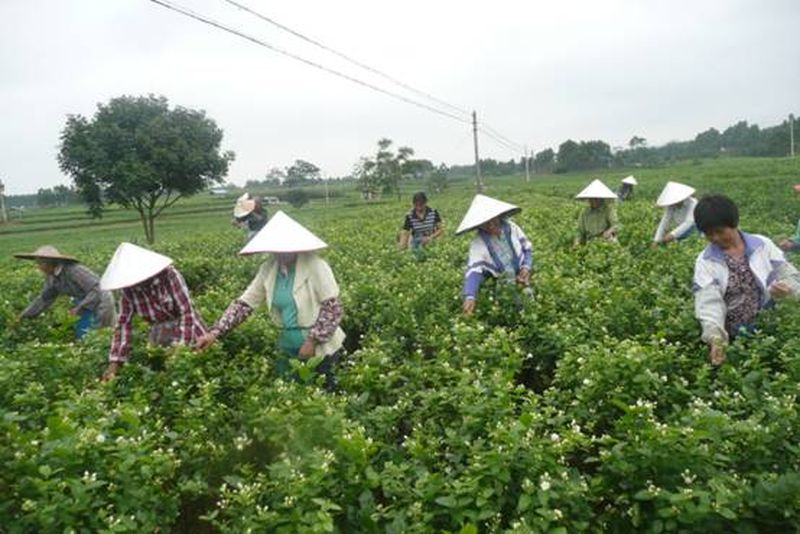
x=162 y=298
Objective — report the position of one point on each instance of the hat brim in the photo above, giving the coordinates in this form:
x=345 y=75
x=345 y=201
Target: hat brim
x=507 y=213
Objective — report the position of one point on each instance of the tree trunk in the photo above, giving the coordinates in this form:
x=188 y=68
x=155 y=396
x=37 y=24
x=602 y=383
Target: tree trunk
x=151 y=234
x=143 y=218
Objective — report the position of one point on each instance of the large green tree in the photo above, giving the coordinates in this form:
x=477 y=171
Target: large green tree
x=141 y=154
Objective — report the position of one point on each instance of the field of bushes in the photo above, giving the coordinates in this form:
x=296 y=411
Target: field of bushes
x=591 y=408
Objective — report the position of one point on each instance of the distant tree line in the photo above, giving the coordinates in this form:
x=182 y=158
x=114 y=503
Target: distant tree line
x=739 y=140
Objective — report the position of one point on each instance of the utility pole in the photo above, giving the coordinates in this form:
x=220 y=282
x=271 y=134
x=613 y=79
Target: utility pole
x=791 y=134
x=527 y=165
x=478 y=184
x=3 y=215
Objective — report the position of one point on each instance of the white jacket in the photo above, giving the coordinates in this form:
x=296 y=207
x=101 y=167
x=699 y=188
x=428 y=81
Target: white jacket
x=680 y=215
x=711 y=281
x=313 y=284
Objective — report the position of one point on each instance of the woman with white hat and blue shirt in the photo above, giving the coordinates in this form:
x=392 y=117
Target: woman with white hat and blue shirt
x=500 y=250
x=677 y=223
x=300 y=292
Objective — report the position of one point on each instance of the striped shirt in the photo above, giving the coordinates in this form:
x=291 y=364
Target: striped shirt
x=160 y=299
x=423 y=227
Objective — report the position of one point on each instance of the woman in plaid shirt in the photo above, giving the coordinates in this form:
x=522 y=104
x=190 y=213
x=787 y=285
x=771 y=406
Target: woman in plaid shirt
x=154 y=290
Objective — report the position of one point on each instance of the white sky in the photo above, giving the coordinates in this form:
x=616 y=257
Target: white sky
x=539 y=72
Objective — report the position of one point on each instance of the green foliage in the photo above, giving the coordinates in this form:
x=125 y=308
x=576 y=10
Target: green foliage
x=296 y=197
x=142 y=155
x=583 y=155
x=383 y=172
x=590 y=408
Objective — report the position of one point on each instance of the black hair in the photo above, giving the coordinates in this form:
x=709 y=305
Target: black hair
x=419 y=196
x=716 y=211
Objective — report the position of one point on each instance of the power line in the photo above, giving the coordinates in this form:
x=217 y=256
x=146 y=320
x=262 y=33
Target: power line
x=488 y=129
x=201 y=18
x=346 y=57
x=500 y=141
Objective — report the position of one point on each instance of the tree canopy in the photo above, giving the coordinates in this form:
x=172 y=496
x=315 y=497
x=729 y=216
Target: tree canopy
x=141 y=154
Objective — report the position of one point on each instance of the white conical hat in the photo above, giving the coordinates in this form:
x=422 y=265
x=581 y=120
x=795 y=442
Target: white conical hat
x=596 y=189
x=244 y=206
x=484 y=209
x=630 y=180
x=132 y=264
x=283 y=234
x=673 y=193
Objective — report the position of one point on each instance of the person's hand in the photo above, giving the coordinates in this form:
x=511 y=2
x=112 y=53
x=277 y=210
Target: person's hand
x=74 y=311
x=469 y=306
x=308 y=349
x=110 y=372
x=669 y=238
x=524 y=276
x=426 y=240
x=717 y=355
x=608 y=234
x=205 y=341
x=785 y=245
x=780 y=290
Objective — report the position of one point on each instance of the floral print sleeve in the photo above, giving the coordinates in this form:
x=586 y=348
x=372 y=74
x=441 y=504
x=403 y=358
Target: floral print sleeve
x=234 y=315
x=330 y=315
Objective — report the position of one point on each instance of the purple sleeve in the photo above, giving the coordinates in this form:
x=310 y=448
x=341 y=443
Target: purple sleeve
x=330 y=315
x=472 y=282
x=235 y=314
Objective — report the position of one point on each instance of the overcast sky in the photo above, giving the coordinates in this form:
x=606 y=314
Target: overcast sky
x=537 y=71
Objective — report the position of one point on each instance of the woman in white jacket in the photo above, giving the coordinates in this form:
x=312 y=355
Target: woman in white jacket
x=736 y=276
x=678 y=220
x=300 y=292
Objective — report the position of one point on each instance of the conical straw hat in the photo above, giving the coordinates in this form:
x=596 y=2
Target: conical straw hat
x=283 y=234
x=596 y=189
x=45 y=252
x=673 y=193
x=130 y=265
x=630 y=180
x=244 y=206
x=484 y=209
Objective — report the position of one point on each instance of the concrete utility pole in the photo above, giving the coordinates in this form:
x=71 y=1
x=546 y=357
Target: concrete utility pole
x=478 y=184
x=3 y=214
x=527 y=165
x=791 y=134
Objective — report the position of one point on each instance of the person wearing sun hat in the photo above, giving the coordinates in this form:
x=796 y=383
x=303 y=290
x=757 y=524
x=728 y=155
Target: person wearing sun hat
x=625 y=191
x=153 y=289
x=249 y=213
x=599 y=219
x=792 y=244
x=300 y=293
x=64 y=275
x=677 y=222
x=500 y=249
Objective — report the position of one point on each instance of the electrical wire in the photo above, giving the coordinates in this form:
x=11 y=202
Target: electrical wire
x=206 y=20
x=346 y=57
